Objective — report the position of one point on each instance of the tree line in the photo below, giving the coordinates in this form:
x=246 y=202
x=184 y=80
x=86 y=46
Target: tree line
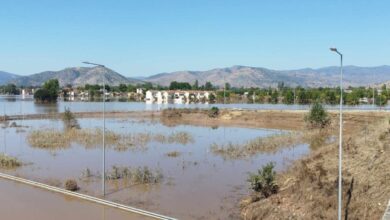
x=282 y=94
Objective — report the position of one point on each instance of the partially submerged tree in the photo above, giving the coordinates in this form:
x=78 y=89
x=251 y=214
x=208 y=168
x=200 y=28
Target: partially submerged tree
x=48 y=92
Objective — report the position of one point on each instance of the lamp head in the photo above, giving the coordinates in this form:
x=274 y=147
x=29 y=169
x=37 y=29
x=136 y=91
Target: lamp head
x=333 y=49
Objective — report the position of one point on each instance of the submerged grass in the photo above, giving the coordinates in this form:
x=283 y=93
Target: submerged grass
x=173 y=154
x=57 y=139
x=258 y=145
x=8 y=161
x=138 y=175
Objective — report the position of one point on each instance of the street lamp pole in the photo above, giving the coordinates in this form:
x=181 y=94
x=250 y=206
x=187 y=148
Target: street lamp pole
x=341 y=133
x=295 y=88
x=104 y=129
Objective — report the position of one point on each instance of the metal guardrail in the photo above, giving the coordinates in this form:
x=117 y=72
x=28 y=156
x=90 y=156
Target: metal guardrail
x=86 y=197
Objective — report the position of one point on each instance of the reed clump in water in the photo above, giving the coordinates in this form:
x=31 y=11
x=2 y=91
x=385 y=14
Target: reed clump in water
x=173 y=154
x=138 y=175
x=258 y=145
x=8 y=161
x=56 y=139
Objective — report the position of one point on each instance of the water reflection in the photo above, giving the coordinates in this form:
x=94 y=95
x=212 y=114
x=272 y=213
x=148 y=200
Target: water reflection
x=12 y=105
x=47 y=108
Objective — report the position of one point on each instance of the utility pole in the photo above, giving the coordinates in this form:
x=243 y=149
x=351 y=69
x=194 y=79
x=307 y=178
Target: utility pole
x=340 y=134
x=104 y=128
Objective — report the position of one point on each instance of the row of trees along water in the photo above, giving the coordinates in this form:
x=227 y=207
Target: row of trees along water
x=281 y=94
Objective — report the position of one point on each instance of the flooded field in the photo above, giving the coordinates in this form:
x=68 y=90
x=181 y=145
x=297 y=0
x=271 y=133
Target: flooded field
x=189 y=181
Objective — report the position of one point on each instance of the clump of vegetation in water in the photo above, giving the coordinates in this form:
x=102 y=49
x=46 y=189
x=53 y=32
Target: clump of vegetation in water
x=70 y=120
x=264 y=180
x=317 y=117
x=49 y=91
x=8 y=161
x=251 y=148
x=71 y=185
x=171 y=113
x=213 y=112
x=137 y=175
x=173 y=154
x=180 y=137
x=55 y=139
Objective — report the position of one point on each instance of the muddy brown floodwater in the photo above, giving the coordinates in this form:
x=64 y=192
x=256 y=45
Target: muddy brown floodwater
x=20 y=201
x=196 y=184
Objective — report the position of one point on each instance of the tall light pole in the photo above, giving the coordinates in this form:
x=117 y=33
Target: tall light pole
x=224 y=89
x=104 y=129
x=295 y=88
x=341 y=132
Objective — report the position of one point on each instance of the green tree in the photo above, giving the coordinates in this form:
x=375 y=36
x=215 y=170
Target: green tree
x=208 y=86
x=196 y=85
x=227 y=86
x=48 y=92
x=317 y=117
x=289 y=97
x=123 y=87
x=179 y=85
x=11 y=89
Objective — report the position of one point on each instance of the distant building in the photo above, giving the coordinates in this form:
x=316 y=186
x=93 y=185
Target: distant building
x=176 y=96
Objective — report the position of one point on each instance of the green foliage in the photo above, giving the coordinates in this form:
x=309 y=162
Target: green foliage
x=227 y=86
x=196 y=85
x=52 y=86
x=208 y=86
x=213 y=112
x=264 y=180
x=289 y=97
x=48 y=92
x=11 y=89
x=179 y=85
x=122 y=87
x=317 y=117
x=43 y=95
x=212 y=97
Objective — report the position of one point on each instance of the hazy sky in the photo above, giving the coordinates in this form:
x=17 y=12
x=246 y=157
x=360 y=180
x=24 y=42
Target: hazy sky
x=140 y=38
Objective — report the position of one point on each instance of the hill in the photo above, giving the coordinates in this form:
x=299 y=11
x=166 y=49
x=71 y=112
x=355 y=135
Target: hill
x=245 y=76
x=5 y=77
x=76 y=76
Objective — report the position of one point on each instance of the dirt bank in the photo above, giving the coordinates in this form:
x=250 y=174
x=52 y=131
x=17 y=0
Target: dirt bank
x=308 y=190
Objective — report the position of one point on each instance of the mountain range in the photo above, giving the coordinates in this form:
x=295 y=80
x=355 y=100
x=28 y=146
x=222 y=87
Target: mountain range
x=236 y=76
x=75 y=76
x=245 y=76
x=6 y=77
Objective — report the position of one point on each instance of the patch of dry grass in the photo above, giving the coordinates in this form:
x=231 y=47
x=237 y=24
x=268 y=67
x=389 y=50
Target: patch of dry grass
x=9 y=162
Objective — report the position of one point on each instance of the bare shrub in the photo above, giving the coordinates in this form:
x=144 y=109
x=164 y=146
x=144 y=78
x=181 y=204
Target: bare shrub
x=71 y=185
